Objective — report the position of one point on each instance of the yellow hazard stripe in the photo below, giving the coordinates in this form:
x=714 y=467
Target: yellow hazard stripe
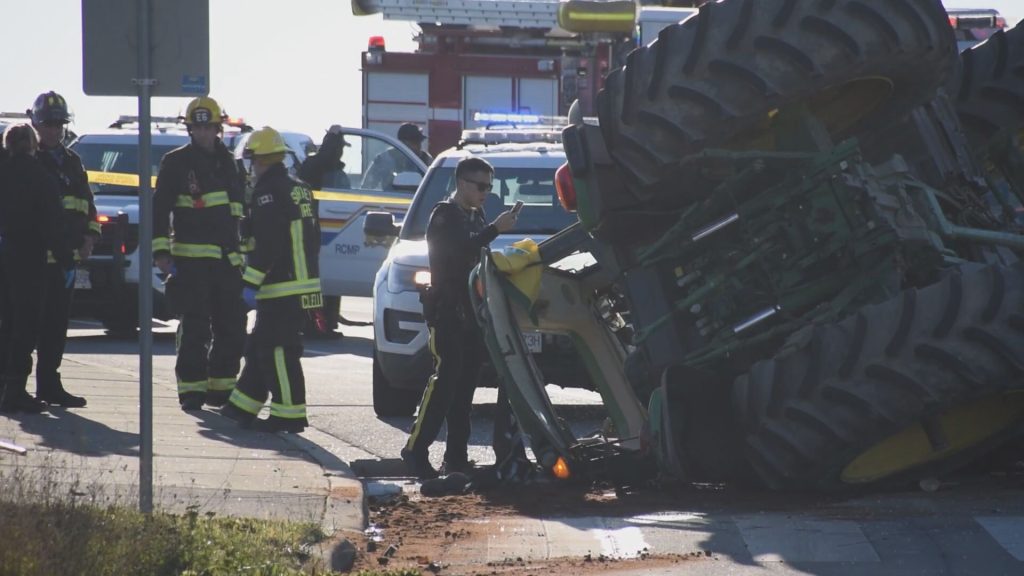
x=365 y=198
x=115 y=178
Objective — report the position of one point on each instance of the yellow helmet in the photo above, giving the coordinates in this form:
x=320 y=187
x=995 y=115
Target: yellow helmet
x=264 y=142
x=203 y=110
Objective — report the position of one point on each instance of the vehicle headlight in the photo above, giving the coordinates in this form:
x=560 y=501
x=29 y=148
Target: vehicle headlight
x=404 y=278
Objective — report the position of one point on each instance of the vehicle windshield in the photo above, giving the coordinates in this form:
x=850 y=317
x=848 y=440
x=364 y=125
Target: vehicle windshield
x=541 y=212
x=118 y=159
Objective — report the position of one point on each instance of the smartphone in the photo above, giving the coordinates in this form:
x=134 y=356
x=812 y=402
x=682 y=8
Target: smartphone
x=517 y=207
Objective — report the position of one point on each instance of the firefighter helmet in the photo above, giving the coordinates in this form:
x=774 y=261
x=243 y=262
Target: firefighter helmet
x=264 y=142
x=50 y=107
x=203 y=110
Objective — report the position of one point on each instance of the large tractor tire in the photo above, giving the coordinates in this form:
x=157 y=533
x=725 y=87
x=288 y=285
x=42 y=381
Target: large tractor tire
x=990 y=93
x=904 y=390
x=716 y=79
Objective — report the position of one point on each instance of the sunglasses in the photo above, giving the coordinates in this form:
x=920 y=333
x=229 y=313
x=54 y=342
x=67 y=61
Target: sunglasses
x=480 y=186
x=53 y=124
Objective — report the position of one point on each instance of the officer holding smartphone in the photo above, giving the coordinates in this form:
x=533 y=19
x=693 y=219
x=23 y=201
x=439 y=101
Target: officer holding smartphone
x=456 y=232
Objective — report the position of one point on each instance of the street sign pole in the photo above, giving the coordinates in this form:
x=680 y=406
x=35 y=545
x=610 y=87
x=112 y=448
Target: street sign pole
x=145 y=82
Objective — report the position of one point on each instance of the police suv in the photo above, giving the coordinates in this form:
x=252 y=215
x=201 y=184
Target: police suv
x=525 y=162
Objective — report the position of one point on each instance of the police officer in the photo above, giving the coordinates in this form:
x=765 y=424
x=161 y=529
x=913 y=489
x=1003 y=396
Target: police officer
x=200 y=184
x=30 y=213
x=282 y=282
x=381 y=173
x=455 y=234
x=81 y=230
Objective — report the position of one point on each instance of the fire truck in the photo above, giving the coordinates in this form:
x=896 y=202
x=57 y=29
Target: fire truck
x=530 y=57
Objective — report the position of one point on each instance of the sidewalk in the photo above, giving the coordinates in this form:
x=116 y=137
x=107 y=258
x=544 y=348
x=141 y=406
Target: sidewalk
x=201 y=461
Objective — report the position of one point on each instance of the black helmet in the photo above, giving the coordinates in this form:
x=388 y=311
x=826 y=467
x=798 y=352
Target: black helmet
x=50 y=107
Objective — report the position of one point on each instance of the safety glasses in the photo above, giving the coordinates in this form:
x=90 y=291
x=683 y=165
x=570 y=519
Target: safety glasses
x=480 y=186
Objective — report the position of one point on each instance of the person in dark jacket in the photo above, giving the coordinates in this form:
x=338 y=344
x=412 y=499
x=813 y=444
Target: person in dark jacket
x=30 y=218
x=320 y=170
x=201 y=186
x=81 y=230
x=456 y=232
x=386 y=165
x=282 y=282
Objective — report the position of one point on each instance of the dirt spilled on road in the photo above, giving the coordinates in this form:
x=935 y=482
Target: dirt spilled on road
x=467 y=533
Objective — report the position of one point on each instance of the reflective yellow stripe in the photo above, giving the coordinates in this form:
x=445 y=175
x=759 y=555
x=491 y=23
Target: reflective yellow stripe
x=428 y=393
x=236 y=209
x=161 y=243
x=299 y=251
x=185 y=387
x=49 y=258
x=282 y=377
x=196 y=250
x=294 y=412
x=116 y=178
x=209 y=200
x=365 y=198
x=253 y=276
x=290 y=288
x=222 y=384
x=235 y=259
x=76 y=204
x=95 y=226
x=243 y=402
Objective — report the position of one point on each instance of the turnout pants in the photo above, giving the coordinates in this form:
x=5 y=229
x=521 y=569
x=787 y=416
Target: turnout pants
x=458 y=356
x=206 y=295
x=53 y=328
x=272 y=363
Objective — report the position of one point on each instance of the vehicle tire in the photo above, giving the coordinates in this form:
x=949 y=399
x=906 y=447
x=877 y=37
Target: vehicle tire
x=389 y=401
x=990 y=91
x=715 y=80
x=121 y=316
x=903 y=390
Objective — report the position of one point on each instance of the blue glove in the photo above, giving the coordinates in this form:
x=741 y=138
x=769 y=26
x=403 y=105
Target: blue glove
x=249 y=296
x=69 y=278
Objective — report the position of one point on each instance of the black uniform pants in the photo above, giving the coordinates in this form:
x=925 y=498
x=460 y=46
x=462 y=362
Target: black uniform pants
x=206 y=295
x=24 y=296
x=272 y=363
x=5 y=317
x=53 y=328
x=458 y=356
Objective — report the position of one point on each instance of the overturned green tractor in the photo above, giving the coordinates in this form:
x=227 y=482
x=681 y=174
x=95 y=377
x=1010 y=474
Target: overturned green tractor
x=797 y=256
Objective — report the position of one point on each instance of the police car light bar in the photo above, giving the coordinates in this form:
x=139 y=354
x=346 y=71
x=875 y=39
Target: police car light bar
x=122 y=120
x=518 y=119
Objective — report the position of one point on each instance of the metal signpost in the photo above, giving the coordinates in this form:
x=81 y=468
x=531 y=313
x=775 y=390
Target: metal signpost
x=170 y=59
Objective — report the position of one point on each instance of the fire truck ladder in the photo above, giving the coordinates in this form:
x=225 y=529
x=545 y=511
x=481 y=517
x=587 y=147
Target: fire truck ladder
x=541 y=14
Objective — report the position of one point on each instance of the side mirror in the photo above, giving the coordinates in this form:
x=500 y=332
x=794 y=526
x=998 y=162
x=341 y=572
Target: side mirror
x=379 y=229
x=407 y=181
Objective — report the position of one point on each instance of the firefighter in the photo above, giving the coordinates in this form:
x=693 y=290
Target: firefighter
x=30 y=221
x=381 y=173
x=456 y=232
x=201 y=186
x=81 y=231
x=282 y=282
x=325 y=168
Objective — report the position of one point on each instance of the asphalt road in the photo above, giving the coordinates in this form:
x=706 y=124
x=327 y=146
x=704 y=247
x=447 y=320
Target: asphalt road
x=338 y=384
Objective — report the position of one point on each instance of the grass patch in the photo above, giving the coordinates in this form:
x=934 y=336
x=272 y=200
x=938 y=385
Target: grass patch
x=71 y=538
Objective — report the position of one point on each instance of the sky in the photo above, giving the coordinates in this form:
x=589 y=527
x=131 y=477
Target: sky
x=293 y=65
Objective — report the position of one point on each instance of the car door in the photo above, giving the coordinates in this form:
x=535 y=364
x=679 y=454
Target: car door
x=347 y=265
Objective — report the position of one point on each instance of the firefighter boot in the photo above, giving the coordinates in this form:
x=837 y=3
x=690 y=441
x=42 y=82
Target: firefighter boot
x=241 y=417
x=273 y=425
x=14 y=398
x=51 y=390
